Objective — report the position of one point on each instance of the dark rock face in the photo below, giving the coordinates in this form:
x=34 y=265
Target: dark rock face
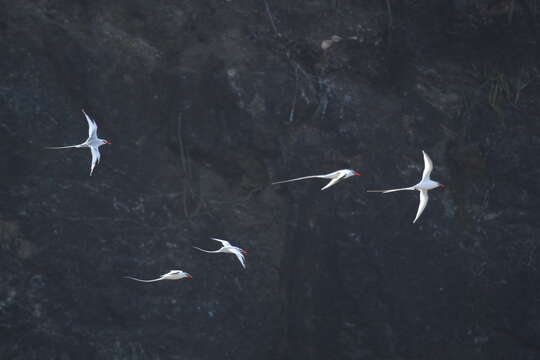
x=206 y=102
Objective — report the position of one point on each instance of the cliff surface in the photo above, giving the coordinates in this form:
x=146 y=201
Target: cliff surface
x=206 y=103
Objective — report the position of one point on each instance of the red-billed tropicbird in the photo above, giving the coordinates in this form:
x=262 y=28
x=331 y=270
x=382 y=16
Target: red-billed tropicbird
x=229 y=249
x=93 y=142
x=335 y=177
x=423 y=186
x=171 y=275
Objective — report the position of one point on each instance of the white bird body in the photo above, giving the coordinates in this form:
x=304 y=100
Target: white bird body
x=423 y=186
x=427 y=185
x=227 y=248
x=171 y=275
x=93 y=142
x=335 y=177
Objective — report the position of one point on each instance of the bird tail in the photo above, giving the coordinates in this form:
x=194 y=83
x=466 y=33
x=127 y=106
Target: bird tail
x=391 y=190
x=295 y=179
x=242 y=259
x=206 y=251
x=140 y=280
x=63 y=147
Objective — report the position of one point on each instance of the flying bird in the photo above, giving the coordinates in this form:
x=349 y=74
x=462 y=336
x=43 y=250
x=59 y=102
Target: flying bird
x=228 y=249
x=93 y=142
x=423 y=186
x=171 y=275
x=335 y=177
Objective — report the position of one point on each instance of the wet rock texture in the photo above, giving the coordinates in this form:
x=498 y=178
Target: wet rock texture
x=206 y=103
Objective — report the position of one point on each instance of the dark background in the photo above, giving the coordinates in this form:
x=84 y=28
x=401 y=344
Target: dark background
x=206 y=103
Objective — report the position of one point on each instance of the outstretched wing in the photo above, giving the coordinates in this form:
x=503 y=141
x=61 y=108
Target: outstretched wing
x=223 y=242
x=95 y=158
x=424 y=197
x=240 y=257
x=428 y=166
x=334 y=181
x=92 y=126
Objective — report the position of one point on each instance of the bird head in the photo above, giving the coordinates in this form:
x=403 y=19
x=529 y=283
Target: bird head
x=442 y=186
x=188 y=275
x=105 y=142
x=245 y=252
x=356 y=173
